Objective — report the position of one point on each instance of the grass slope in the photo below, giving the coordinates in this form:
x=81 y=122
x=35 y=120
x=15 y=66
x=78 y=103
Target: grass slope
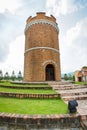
x=29 y=91
x=29 y=106
x=80 y=83
x=7 y=83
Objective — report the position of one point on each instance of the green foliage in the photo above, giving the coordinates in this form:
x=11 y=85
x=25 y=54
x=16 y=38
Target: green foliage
x=1 y=75
x=69 y=77
x=73 y=78
x=13 y=76
x=20 y=76
x=6 y=76
x=65 y=77
x=84 y=67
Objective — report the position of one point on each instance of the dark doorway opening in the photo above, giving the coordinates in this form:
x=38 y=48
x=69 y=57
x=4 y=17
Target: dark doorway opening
x=50 y=73
x=80 y=79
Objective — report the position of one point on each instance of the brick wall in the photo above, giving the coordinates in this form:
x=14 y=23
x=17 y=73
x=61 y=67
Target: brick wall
x=38 y=122
x=32 y=96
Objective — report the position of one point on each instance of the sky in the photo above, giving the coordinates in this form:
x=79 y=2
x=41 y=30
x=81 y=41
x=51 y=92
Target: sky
x=71 y=16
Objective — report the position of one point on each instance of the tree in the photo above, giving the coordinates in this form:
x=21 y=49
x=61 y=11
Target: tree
x=13 y=76
x=6 y=76
x=70 y=77
x=65 y=77
x=20 y=76
x=73 y=77
x=1 y=75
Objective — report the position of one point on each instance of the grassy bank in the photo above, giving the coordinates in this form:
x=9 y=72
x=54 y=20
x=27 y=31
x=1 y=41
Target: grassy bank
x=28 y=91
x=7 y=83
x=29 y=106
x=80 y=83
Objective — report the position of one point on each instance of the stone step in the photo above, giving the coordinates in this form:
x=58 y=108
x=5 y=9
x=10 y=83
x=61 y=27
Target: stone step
x=73 y=94
x=68 y=87
x=77 y=97
x=59 y=83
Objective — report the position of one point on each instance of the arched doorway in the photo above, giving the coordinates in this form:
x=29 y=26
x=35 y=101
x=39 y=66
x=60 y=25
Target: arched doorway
x=50 y=73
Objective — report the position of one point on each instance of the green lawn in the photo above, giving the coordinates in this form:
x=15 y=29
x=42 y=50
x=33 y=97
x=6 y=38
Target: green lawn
x=29 y=106
x=29 y=91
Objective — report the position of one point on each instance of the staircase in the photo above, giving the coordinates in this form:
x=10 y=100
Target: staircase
x=69 y=91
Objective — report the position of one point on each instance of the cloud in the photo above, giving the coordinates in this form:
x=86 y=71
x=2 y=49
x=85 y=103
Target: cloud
x=30 y=7
x=10 y=27
x=13 y=15
x=73 y=34
x=15 y=59
x=63 y=7
x=11 y=5
x=74 y=47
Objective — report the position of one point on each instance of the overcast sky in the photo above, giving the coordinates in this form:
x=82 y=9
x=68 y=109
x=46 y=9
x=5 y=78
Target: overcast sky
x=71 y=17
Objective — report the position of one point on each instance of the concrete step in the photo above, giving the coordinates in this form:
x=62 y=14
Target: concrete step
x=77 y=97
x=59 y=83
x=73 y=94
x=78 y=94
x=68 y=87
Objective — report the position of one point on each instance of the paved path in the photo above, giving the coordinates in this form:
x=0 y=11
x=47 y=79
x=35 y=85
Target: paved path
x=82 y=104
x=82 y=107
x=78 y=90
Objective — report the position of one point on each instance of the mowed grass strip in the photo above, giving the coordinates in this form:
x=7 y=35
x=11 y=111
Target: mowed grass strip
x=29 y=106
x=80 y=83
x=24 y=85
x=27 y=91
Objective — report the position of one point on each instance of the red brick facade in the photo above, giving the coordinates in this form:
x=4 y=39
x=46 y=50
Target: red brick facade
x=42 y=56
x=81 y=76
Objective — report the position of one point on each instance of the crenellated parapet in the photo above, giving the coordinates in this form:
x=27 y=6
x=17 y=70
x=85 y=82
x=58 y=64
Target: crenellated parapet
x=41 y=19
x=41 y=15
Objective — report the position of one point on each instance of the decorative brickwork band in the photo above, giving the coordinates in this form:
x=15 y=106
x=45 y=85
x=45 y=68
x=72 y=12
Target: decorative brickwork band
x=49 y=61
x=48 y=48
x=42 y=22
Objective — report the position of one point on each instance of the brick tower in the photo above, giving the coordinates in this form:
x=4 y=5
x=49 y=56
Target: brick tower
x=42 y=56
